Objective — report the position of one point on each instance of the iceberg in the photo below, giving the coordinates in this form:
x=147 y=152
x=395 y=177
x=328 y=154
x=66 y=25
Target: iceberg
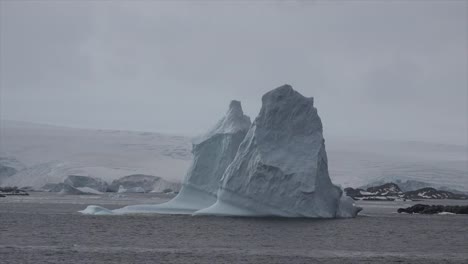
x=276 y=166
x=281 y=167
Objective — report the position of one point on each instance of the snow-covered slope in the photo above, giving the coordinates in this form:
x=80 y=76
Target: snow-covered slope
x=48 y=154
x=356 y=163
x=212 y=154
x=281 y=167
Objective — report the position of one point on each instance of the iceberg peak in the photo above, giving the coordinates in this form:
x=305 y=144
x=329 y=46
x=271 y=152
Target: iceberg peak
x=236 y=106
x=233 y=121
x=286 y=112
x=283 y=93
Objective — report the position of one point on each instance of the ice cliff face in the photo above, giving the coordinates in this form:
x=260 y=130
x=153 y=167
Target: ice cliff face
x=78 y=181
x=212 y=154
x=281 y=167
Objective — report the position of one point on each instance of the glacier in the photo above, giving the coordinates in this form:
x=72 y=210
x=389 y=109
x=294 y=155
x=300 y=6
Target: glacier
x=276 y=166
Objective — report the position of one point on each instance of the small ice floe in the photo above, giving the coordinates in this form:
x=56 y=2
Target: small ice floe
x=96 y=210
x=446 y=213
x=116 y=196
x=88 y=190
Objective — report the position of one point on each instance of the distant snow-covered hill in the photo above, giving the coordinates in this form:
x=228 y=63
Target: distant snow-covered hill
x=355 y=163
x=48 y=154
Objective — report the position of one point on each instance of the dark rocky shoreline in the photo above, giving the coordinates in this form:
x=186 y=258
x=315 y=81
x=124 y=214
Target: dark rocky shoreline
x=434 y=209
x=5 y=191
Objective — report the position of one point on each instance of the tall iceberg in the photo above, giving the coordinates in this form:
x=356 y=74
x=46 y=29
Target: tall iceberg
x=275 y=167
x=212 y=154
x=281 y=167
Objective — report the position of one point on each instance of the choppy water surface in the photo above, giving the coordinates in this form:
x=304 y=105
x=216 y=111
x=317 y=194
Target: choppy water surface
x=46 y=228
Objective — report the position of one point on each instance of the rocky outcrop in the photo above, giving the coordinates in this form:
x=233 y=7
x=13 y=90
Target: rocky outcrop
x=387 y=189
x=432 y=193
x=391 y=191
x=434 y=209
x=5 y=191
x=384 y=192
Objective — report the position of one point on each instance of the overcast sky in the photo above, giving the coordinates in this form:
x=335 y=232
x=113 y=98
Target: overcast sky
x=381 y=70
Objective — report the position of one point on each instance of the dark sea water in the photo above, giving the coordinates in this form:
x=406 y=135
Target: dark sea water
x=46 y=228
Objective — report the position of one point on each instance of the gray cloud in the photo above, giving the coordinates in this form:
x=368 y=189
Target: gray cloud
x=395 y=69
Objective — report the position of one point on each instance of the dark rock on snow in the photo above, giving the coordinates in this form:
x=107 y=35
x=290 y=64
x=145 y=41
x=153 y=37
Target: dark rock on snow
x=12 y=191
x=387 y=189
x=431 y=193
x=391 y=191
